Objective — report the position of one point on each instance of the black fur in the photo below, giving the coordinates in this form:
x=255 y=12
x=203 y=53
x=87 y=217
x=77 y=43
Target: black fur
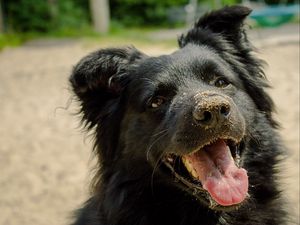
x=116 y=87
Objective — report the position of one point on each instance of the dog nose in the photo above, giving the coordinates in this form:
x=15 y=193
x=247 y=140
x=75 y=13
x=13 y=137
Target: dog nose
x=211 y=110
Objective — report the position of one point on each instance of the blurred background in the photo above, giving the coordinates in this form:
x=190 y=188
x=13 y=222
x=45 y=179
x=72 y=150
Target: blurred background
x=45 y=159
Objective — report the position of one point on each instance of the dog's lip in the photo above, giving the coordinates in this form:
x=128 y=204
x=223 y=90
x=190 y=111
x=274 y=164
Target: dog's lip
x=194 y=186
x=232 y=142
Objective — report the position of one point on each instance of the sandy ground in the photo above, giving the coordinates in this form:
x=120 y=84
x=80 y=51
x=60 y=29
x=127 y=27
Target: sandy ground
x=45 y=161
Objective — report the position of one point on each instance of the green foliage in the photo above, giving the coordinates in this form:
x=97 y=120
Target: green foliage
x=45 y=16
x=230 y=2
x=65 y=16
x=70 y=16
x=24 y=15
x=154 y=12
x=9 y=40
x=143 y=12
x=221 y=3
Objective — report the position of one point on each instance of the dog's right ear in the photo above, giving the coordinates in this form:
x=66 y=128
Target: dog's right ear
x=227 y=22
x=99 y=79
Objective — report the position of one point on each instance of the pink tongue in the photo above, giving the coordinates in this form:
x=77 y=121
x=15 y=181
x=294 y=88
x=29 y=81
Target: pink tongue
x=226 y=183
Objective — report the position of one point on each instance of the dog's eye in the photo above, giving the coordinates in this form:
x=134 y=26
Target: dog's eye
x=221 y=82
x=157 y=102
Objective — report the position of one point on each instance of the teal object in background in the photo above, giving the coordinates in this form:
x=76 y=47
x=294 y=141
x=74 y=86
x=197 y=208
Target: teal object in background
x=273 y=16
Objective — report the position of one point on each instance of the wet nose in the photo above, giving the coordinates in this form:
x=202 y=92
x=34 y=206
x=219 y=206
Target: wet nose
x=211 y=111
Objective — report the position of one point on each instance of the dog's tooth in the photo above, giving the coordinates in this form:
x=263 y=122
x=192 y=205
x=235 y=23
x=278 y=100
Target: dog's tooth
x=189 y=167
x=186 y=163
x=238 y=160
x=231 y=156
x=169 y=158
x=194 y=173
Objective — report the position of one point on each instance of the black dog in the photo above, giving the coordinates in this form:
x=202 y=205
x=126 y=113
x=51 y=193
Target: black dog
x=182 y=139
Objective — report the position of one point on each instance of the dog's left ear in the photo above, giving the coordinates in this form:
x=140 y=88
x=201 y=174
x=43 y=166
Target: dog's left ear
x=227 y=22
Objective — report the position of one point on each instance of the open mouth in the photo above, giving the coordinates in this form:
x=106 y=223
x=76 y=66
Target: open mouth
x=214 y=172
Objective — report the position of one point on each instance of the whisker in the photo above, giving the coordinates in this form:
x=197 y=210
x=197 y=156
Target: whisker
x=160 y=132
x=156 y=165
x=164 y=133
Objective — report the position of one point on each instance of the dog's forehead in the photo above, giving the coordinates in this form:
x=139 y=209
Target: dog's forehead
x=187 y=62
x=194 y=52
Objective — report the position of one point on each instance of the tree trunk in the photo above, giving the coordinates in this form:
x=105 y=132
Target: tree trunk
x=1 y=19
x=100 y=15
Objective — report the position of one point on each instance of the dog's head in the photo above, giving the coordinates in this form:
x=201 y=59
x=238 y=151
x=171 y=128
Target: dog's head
x=185 y=114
